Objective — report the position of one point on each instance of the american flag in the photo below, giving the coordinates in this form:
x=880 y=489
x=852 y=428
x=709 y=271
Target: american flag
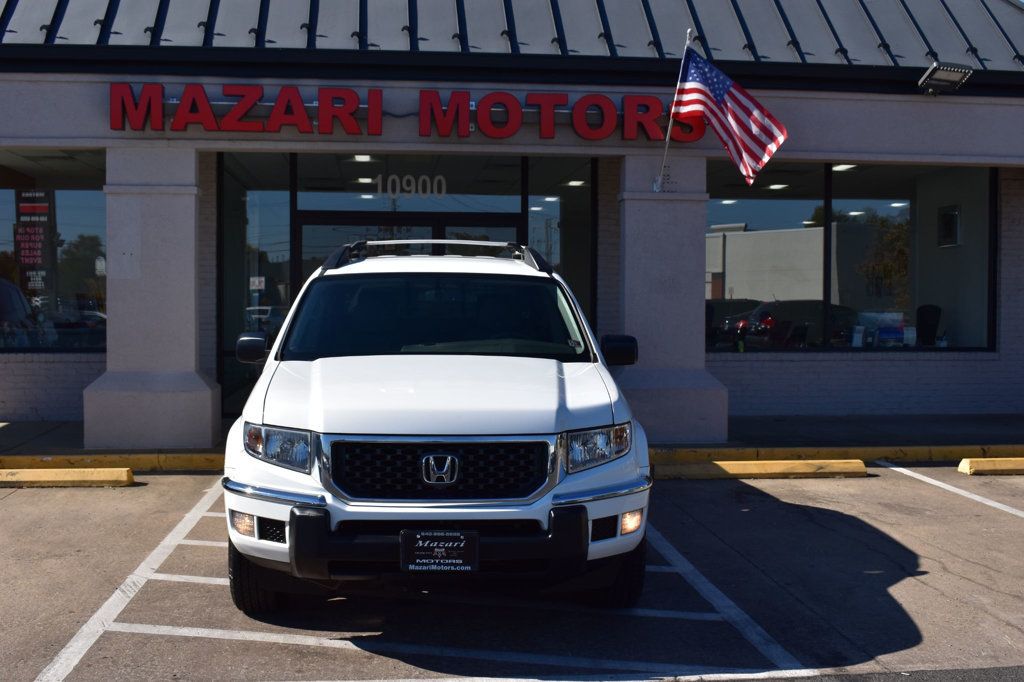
x=750 y=134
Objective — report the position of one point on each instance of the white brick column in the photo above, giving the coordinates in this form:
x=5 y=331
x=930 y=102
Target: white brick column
x=152 y=394
x=673 y=395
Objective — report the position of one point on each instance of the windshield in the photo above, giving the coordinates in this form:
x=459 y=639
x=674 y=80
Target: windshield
x=449 y=314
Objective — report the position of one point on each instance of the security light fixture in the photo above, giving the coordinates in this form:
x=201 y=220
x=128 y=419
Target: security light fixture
x=840 y=167
x=777 y=187
x=576 y=183
x=363 y=158
x=729 y=202
x=944 y=77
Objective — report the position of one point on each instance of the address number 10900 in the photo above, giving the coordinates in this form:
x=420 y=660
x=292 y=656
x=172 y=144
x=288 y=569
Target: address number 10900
x=411 y=185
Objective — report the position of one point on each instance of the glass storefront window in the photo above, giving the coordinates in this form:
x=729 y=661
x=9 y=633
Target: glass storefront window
x=764 y=250
x=560 y=219
x=53 y=268
x=911 y=247
x=268 y=250
x=255 y=269
x=907 y=258
x=406 y=183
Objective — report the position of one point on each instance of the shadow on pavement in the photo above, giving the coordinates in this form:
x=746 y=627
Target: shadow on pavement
x=817 y=580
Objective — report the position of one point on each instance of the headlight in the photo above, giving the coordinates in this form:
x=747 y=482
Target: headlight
x=587 y=449
x=283 y=447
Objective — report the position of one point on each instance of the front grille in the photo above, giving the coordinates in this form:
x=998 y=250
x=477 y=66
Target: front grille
x=394 y=471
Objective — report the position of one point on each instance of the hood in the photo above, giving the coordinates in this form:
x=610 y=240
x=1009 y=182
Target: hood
x=437 y=395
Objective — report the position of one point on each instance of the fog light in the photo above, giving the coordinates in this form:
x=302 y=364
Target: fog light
x=246 y=523
x=631 y=522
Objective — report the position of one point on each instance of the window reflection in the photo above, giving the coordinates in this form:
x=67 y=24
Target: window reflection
x=53 y=260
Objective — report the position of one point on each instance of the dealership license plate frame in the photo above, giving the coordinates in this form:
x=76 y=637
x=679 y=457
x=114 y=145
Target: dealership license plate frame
x=445 y=558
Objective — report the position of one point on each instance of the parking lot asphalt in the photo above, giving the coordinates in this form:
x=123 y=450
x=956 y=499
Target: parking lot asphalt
x=873 y=577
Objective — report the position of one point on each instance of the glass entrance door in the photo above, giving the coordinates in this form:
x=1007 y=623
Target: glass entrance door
x=320 y=241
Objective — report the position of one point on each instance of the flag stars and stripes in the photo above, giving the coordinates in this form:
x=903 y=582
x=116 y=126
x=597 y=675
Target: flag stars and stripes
x=751 y=135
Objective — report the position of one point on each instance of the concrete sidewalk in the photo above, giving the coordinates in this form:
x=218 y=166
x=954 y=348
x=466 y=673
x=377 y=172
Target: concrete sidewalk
x=52 y=438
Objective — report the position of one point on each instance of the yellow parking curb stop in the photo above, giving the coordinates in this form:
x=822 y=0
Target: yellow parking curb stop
x=807 y=468
x=65 y=478
x=194 y=461
x=1004 y=466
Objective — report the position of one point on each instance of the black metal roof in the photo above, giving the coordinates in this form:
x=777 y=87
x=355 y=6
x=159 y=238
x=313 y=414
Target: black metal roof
x=767 y=35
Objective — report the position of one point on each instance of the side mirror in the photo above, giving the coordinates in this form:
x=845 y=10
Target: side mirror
x=251 y=347
x=619 y=349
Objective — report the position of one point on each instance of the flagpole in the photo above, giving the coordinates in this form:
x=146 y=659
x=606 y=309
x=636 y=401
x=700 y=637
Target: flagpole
x=671 y=119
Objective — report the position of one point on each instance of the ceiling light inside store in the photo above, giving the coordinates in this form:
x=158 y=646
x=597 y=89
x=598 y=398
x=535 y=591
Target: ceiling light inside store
x=535 y=208
x=576 y=183
x=856 y=213
x=729 y=202
x=550 y=198
x=840 y=167
x=808 y=222
x=777 y=186
x=899 y=204
x=363 y=158
x=365 y=196
x=364 y=181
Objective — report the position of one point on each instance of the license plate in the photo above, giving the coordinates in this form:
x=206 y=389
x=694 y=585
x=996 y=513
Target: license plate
x=439 y=551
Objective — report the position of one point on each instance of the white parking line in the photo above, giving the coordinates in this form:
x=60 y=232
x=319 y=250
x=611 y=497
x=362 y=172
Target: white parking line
x=202 y=579
x=732 y=613
x=378 y=647
x=216 y=515
x=73 y=651
x=205 y=543
x=953 y=489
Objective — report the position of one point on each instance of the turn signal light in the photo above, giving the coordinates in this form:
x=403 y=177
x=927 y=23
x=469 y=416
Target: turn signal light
x=631 y=522
x=244 y=523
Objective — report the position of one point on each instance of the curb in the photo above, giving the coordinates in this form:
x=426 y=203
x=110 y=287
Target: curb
x=1006 y=466
x=807 y=468
x=201 y=461
x=894 y=453
x=65 y=478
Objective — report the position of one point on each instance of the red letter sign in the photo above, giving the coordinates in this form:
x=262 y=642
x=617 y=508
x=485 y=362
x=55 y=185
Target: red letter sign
x=641 y=111
x=511 y=106
x=194 y=108
x=250 y=95
x=123 y=105
x=345 y=112
x=289 y=111
x=547 y=101
x=431 y=113
x=609 y=117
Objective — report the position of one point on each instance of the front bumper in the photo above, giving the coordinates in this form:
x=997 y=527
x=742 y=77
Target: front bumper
x=318 y=547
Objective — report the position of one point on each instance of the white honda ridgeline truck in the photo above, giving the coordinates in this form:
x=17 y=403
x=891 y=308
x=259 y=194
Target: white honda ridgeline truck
x=430 y=416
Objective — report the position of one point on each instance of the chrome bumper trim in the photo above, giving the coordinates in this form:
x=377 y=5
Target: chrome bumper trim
x=630 y=488
x=271 y=495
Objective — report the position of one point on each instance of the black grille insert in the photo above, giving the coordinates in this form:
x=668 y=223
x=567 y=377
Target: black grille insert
x=486 y=528
x=270 y=530
x=394 y=471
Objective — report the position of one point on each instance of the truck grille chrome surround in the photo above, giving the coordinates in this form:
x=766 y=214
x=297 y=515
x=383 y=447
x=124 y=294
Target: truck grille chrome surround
x=388 y=470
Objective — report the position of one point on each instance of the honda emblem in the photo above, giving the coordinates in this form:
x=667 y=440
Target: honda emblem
x=440 y=469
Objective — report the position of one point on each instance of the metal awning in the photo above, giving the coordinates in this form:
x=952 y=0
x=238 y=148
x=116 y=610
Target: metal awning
x=982 y=34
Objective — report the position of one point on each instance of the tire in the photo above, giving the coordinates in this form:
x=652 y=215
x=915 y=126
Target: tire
x=625 y=590
x=247 y=591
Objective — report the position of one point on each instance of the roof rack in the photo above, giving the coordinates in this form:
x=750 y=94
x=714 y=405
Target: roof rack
x=357 y=251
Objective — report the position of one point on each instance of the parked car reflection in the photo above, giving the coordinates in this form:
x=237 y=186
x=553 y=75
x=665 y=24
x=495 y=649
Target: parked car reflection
x=782 y=325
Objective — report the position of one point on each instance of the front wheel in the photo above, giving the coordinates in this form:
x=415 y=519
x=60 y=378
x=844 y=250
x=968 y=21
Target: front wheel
x=248 y=591
x=625 y=590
